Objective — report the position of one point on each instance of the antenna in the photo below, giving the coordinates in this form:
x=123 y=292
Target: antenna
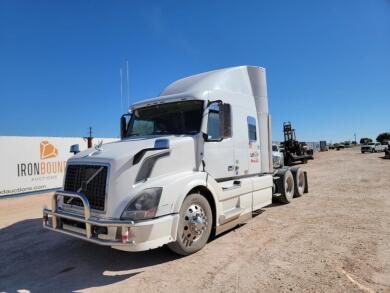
x=127 y=83
x=120 y=74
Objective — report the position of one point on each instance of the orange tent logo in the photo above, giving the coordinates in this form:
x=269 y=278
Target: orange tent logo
x=47 y=150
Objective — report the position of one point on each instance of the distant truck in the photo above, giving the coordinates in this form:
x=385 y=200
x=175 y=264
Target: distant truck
x=191 y=163
x=373 y=147
x=277 y=156
x=323 y=146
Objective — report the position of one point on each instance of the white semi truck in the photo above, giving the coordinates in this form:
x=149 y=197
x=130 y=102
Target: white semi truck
x=191 y=163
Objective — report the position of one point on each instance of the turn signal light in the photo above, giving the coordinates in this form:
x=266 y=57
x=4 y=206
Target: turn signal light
x=125 y=235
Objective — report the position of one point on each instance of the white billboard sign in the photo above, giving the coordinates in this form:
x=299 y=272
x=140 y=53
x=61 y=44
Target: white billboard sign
x=29 y=164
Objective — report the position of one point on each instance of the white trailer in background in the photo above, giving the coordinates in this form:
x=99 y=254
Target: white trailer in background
x=191 y=163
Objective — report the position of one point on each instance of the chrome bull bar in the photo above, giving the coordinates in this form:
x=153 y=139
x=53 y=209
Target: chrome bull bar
x=56 y=214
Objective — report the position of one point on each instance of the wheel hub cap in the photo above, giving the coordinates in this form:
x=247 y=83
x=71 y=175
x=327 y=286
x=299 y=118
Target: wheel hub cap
x=195 y=222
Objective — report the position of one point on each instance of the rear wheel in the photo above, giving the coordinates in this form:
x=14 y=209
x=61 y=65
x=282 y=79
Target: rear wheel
x=195 y=223
x=299 y=181
x=285 y=185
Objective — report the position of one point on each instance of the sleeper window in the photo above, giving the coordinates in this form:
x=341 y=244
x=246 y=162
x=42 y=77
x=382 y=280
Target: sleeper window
x=252 y=128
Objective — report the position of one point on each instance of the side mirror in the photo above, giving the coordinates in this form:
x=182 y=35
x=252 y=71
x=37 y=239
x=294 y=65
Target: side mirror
x=123 y=124
x=225 y=120
x=219 y=127
x=75 y=148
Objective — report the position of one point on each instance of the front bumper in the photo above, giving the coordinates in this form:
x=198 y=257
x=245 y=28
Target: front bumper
x=121 y=234
x=366 y=149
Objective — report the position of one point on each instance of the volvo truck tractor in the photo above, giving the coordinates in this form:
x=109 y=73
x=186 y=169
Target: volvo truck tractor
x=191 y=163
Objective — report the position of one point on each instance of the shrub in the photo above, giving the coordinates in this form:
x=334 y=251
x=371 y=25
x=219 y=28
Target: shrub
x=382 y=137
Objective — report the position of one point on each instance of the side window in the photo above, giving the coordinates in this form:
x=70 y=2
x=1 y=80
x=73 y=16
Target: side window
x=213 y=123
x=251 y=128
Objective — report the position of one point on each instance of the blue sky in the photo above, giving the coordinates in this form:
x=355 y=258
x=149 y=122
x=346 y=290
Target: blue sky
x=328 y=62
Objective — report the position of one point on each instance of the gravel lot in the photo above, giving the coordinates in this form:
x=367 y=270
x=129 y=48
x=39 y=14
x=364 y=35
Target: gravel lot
x=336 y=238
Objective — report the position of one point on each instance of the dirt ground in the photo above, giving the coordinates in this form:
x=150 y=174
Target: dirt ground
x=334 y=239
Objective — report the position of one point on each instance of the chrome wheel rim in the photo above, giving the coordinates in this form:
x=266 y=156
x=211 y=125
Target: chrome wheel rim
x=194 y=224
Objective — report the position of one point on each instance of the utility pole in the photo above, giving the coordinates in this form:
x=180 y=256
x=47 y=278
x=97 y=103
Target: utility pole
x=89 y=138
x=355 y=138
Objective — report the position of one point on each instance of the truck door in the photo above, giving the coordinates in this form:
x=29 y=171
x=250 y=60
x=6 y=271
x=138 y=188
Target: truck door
x=218 y=154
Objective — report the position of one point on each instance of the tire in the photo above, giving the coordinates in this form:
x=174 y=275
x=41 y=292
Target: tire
x=299 y=181
x=285 y=186
x=362 y=152
x=195 y=224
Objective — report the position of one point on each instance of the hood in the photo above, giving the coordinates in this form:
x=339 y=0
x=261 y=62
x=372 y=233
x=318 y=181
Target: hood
x=122 y=175
x=118 y=150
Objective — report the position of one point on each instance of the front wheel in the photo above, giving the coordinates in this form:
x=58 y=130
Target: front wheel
x=195 y=223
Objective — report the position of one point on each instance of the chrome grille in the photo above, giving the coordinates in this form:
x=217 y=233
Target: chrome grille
x=89 y=180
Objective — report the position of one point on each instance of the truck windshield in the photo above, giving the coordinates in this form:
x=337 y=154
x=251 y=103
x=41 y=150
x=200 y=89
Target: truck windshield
x=170 y=118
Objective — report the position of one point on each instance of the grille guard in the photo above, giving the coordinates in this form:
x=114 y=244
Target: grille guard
x=51 y=221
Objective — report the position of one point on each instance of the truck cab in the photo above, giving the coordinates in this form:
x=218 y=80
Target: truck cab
x=191 y=163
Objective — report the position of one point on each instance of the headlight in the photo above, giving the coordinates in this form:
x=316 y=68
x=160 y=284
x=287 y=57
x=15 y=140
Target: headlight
x=144 y=205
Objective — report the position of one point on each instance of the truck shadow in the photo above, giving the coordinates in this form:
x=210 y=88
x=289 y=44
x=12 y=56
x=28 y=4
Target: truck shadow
x=44 y=261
